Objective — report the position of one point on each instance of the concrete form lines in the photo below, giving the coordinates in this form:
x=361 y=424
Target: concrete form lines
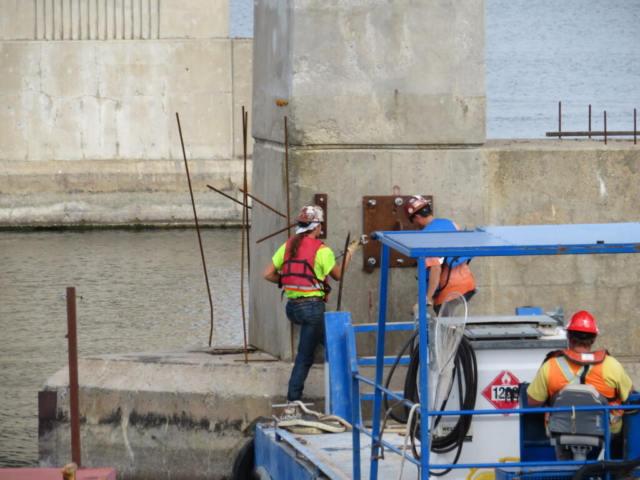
x=367 y=146
x=96 y=19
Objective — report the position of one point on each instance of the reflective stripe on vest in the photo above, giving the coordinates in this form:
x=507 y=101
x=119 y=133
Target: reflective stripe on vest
x=565 y=368
x=300 y=288
x=563 y=375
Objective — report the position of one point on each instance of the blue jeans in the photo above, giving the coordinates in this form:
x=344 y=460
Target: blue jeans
x=310 y=315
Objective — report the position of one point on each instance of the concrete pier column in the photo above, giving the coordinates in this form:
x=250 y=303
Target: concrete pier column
x=371 y=72
x=370 y=87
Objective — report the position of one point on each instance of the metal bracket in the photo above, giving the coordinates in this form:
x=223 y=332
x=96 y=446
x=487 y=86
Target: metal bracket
x=322 y=199
x=385 y=213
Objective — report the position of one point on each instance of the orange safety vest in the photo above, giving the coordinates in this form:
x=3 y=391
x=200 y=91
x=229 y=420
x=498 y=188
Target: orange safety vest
x=562 y=364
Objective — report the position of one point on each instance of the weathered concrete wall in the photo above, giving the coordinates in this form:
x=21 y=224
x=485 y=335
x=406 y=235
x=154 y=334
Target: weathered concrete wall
x=101 y=114
x=346 y=177
x=372 y=73
x=113 y=19
x=502 y=183
x=554 y=182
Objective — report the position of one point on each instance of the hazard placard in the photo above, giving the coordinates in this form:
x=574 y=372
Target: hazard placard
x=503 y=392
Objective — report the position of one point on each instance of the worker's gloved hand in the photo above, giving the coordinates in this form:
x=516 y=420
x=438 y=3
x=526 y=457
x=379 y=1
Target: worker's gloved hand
x=354 y=246
x=415 y=307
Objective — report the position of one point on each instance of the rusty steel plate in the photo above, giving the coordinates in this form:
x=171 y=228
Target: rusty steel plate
x=322 y=199
x=384 y=213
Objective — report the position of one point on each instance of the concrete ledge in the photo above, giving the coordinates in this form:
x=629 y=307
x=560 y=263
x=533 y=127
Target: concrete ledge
x=118 y=192
x=176 y=414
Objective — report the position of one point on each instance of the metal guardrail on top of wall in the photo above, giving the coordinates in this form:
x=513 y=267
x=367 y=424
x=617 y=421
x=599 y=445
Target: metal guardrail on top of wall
x=97 y=19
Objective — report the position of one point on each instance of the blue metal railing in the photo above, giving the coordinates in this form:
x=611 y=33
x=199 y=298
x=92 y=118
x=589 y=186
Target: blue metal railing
x=376 y=437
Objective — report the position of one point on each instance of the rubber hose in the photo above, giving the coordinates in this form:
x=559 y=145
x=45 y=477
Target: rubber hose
x=465 y=366
x=403 y=418
x=614 y=466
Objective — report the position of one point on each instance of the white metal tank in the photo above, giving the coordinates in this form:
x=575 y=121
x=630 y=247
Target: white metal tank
x=509 y=351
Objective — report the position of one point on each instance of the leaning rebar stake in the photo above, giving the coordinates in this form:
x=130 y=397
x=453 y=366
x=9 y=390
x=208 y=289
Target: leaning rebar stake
x=225 y=195
x=342 y=270
x=256 y=199
x=244 y=226
x=286 y=169
x=195 y=215
x=291 y=225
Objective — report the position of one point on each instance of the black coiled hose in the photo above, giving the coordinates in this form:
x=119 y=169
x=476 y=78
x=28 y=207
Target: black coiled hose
x=611 y=467
x=466 y=375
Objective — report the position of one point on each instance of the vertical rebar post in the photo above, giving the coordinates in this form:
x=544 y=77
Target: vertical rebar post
x=244 y=231
x=342 y=269
x=286 y=167
x=605 y=127
x=195 y=215
x=245 y=139
x=74 y=396
x=560 y=120
x=635 y=127
x=589 y=121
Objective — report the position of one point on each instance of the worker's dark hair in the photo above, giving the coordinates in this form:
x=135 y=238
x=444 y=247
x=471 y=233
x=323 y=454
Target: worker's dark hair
x=297 y=239
x=581 y=339
x=424 y=211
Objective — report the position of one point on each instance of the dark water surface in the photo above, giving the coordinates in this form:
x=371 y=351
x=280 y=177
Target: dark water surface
x=142 y=291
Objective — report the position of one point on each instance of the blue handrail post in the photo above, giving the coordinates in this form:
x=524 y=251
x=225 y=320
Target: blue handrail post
x=377 y=399
x=425 y=434
x=607 y=440
x=356 y=416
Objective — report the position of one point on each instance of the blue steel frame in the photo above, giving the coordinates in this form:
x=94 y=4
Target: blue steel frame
x=485 y=242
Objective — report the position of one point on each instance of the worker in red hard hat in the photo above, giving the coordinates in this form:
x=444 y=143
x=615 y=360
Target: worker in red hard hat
x=301 y=266
x=447 y=274
x=578 y=364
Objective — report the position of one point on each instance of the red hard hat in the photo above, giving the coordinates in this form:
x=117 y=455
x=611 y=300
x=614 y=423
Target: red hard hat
x=583 y=321
x=311 y=213
x=414 y=204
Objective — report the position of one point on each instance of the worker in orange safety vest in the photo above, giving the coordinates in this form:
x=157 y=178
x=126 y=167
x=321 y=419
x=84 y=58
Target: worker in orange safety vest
x=578 y=364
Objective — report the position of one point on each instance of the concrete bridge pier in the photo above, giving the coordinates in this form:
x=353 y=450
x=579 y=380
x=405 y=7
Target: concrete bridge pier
x=377 y=94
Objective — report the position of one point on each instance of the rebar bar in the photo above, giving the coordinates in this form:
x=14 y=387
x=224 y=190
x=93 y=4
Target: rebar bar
x=594 y=133
x=244 y=192
x=244 y=226
x=277 y=232
x=605 y=127
x=74 y=395
x=228 y=196
x=560 y=118
x=342 y=270
x=245 y=137
x=195 y=215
